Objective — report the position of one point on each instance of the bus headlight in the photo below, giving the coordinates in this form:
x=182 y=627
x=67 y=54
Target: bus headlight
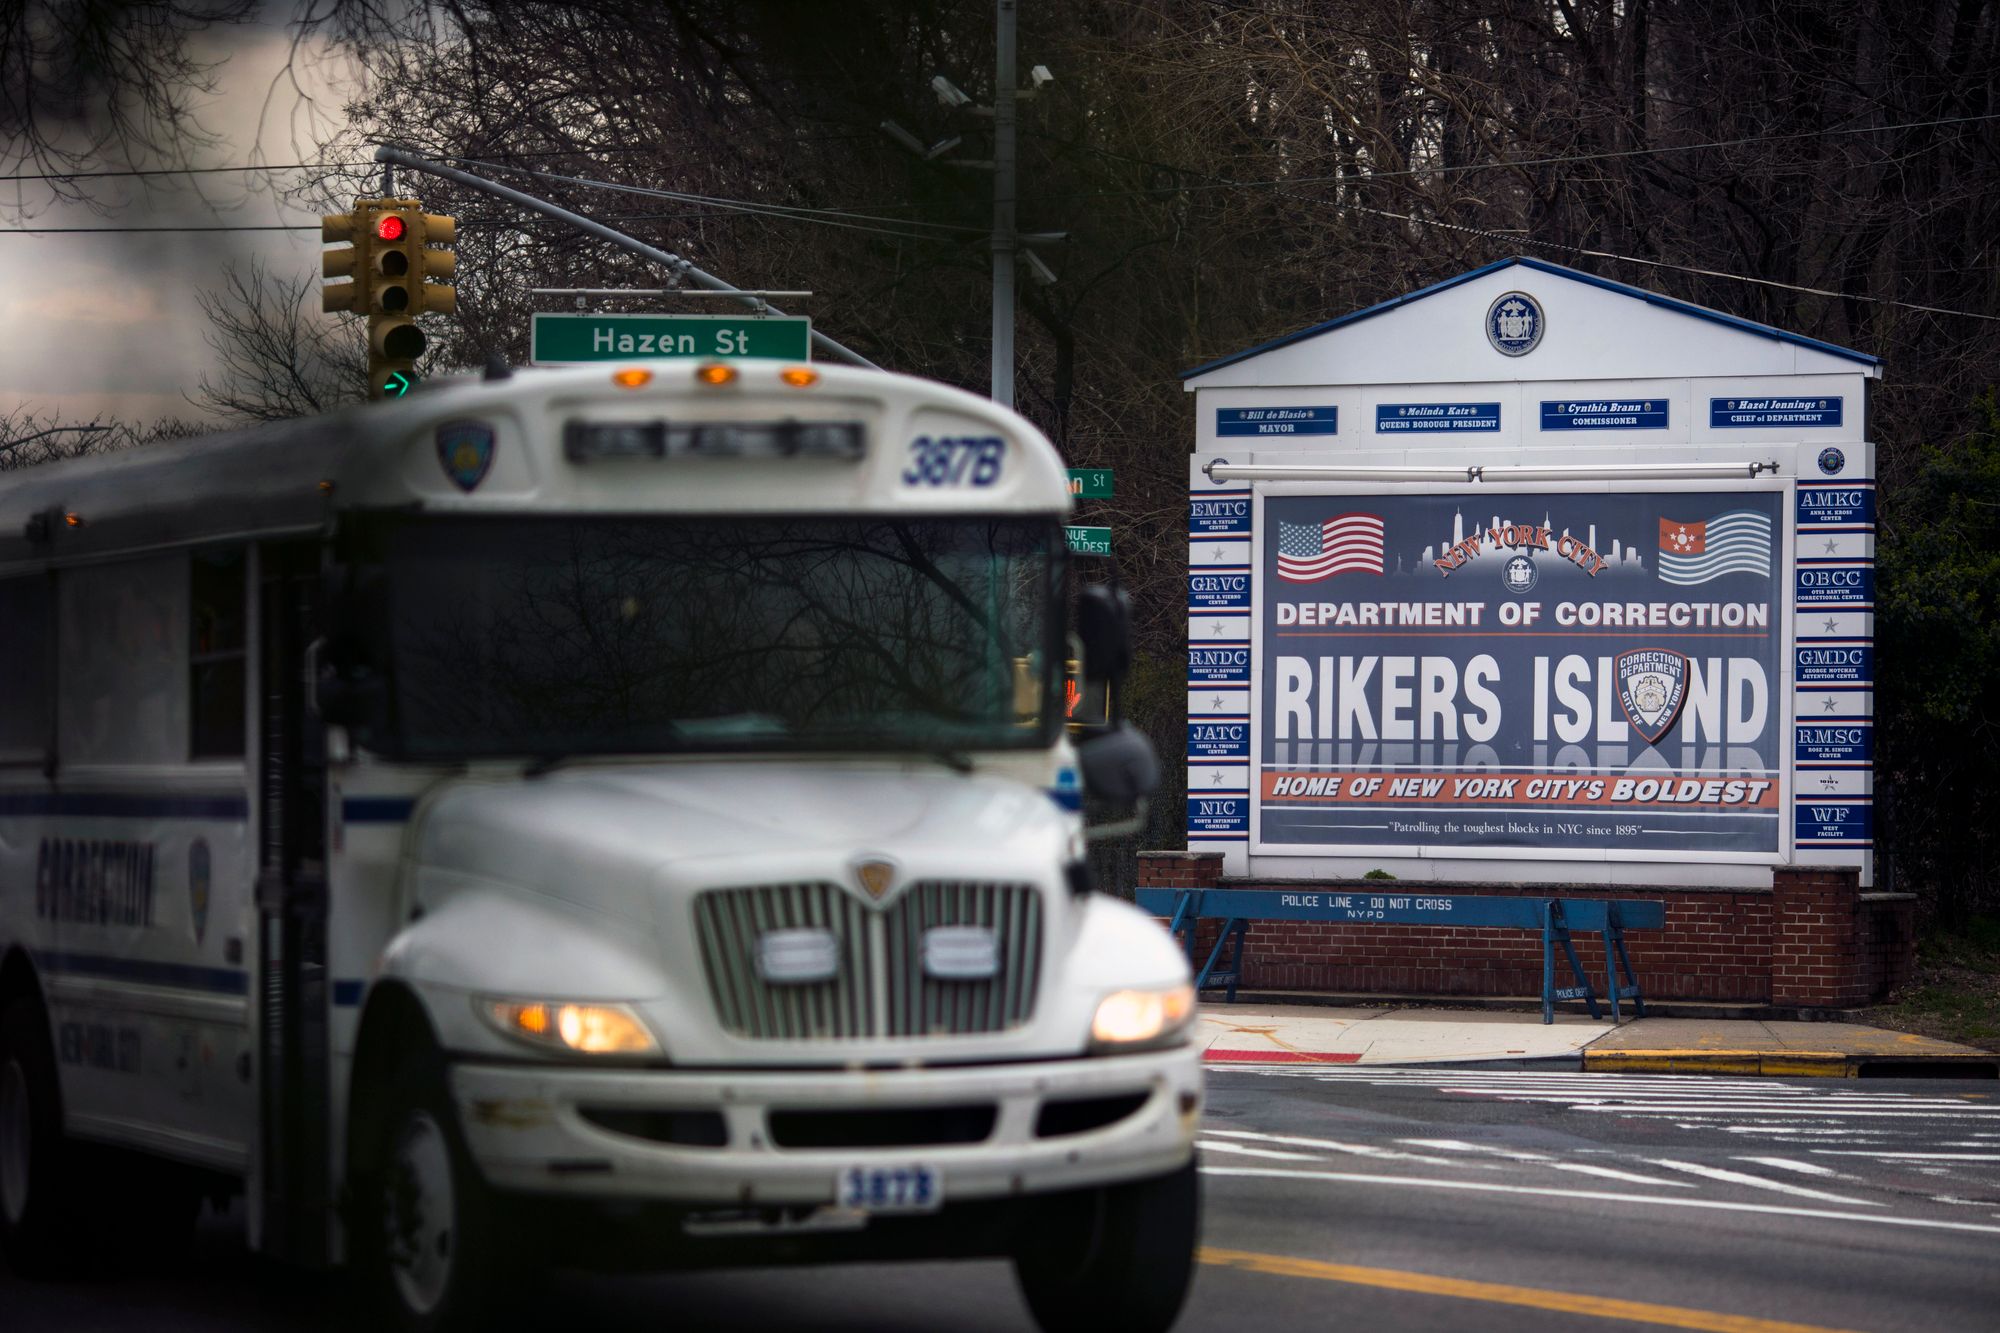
x=590 y=1029
x=1130 y=1018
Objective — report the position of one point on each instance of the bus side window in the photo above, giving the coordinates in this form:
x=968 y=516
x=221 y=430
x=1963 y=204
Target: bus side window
x=122 y=634
x=216 y=654
x=24 y=667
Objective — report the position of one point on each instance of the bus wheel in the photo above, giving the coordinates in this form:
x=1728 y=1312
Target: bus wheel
x=37 y=1167
x=1114 y=1260
x=427 y=1239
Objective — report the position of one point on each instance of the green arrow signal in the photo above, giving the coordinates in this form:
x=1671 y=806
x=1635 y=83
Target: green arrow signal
x=398 y=384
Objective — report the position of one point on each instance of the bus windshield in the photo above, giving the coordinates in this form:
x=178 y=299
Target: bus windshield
x=595 y=634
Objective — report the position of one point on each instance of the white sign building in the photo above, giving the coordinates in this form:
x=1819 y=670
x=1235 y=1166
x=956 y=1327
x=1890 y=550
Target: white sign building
x=1532 y=576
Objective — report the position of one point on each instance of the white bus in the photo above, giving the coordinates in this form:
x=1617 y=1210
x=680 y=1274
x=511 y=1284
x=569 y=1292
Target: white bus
x=599 y=815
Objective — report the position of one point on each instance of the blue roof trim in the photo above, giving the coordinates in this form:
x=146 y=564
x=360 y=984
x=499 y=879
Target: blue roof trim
x=1557 y=270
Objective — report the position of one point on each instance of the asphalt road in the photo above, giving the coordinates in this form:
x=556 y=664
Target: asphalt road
x=1383 y=1200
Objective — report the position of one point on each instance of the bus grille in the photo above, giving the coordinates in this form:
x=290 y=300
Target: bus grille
x=880 y=988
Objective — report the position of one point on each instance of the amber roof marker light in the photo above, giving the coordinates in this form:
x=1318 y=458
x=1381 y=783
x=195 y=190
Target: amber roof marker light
x=634 y=377
x=715 y=374
x=799 y=377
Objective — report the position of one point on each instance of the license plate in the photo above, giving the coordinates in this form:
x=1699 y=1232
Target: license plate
x=911 y=1188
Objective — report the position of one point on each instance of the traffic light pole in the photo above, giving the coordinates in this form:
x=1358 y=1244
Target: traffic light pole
x=404 y=158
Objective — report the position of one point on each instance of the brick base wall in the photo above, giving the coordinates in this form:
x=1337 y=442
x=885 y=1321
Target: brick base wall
x=1812 y=939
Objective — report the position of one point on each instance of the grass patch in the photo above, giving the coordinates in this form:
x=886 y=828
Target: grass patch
x=1955 y=993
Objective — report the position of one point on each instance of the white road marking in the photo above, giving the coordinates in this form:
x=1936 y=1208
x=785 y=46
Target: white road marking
x=1329 y=1145
x=1756 y=1182
x=1803 y=1168
x=1210 y=1145
x=1543 y=1159
x=1660 y=1201
x=1913 y=1155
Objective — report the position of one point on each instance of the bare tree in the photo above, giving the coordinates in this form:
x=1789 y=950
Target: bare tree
x=86 y=84
x=29 y=438
x=278 y=357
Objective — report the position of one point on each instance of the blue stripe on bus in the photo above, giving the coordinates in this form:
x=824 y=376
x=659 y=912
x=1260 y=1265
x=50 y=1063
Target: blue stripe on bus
x=377 y=809
x=124 y=805
x=180 y=976
x=347 y=994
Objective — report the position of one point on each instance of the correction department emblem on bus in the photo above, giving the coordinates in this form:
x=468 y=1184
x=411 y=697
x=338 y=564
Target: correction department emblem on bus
x=1514 y=324
x=1652 y=686
x=465 y=451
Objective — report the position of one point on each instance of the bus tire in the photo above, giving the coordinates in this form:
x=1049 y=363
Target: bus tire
x=427 y=1236
x=1114 y=1260
x=38 y=1165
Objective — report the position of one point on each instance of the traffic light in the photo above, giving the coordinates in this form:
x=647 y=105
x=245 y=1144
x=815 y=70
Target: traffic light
x=343 y=262
x=390 y=258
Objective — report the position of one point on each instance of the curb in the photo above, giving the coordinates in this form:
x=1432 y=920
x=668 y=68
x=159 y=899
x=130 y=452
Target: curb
x=1790 y=1064
x=1279 y=1057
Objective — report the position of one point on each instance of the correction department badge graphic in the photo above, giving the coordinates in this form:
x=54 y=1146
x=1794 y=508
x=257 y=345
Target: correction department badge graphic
x=1652 y=686
x=1519 y=575
x=1514 y=324
x=198 y=887
x=465 y=450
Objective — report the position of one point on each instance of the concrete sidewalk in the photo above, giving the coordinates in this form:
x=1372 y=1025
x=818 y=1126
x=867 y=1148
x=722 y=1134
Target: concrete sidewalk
x=1309 y=1034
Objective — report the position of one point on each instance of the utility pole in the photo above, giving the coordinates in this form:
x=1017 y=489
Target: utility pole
x=1003 y=205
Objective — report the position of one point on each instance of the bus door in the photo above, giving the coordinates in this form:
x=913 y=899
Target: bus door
x=291 y=988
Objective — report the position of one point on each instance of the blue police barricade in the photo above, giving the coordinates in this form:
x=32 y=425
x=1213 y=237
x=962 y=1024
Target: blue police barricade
x=1555 y=918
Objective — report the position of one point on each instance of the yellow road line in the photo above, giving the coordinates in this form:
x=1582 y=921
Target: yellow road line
x=1501 y=1293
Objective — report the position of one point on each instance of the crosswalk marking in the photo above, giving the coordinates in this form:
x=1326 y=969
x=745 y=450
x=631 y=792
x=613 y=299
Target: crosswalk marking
x=1329 y=1145
x=1244 y=1149
x=1543 y=1159
x=1803 y=1168
x=1749 y=1181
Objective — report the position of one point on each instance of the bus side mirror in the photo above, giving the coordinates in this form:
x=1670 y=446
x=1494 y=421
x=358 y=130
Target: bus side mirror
x=1104 y=625
x=349 y=687
x=1119 y=766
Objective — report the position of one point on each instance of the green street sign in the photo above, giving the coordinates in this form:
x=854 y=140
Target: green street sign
x=1090 y=483
x=1088 y=541
x=569 y=340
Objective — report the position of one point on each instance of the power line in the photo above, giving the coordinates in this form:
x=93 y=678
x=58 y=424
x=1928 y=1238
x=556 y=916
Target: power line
x=1353 y=177
x=830 y=216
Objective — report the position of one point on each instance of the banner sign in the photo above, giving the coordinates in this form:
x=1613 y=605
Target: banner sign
x=1217 y=816
x=1845 y=741
x=1218 y=515
x=1836 y=585
x=1219 y=591
x=1727 y=413
x=1839 y=823
x=1567 y=670
x=1397 y=418
x=1277 y=420
x=1218 y=740
x=1210 y=665
x=1836 y=506
x=1605 y=414
x=1835 y=664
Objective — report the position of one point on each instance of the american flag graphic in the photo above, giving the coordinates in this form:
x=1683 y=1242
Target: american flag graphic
x=1344 y=544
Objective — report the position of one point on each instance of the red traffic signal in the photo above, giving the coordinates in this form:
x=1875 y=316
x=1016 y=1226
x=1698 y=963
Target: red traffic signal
x=389 y=227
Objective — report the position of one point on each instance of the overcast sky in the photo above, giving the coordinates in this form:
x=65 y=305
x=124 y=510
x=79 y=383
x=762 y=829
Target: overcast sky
x=98 y=327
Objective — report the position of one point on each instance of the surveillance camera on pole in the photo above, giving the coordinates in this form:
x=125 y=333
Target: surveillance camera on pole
x=1041 y=77
x=948 y=93
x=1037 y=270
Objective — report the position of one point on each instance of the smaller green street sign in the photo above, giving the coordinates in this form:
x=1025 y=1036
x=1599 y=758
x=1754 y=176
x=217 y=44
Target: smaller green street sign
x=568 y=340
x=1090 y=483
x=1088 y=541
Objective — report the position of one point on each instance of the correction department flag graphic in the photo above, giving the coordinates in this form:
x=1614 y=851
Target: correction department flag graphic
x=1343 y=544
x=1738 y=542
